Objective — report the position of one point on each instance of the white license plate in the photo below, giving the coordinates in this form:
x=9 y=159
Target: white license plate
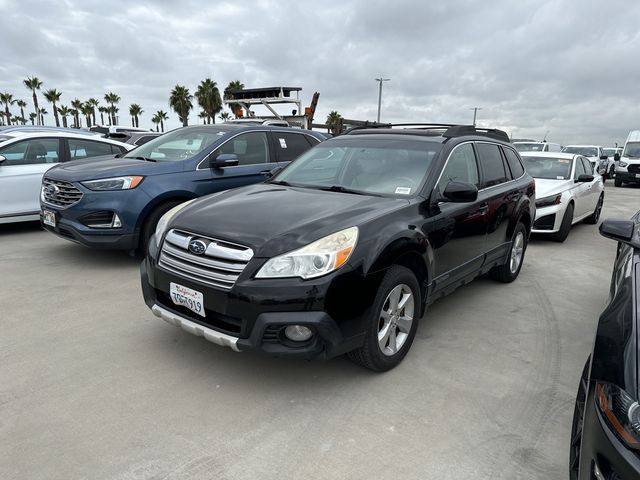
x=187 y=297
x=637 y=175
x=49 y=218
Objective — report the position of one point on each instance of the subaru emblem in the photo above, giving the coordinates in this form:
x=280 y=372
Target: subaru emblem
x=197 y=247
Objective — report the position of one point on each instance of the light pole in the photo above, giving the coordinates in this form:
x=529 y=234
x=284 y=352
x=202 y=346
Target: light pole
x=380 y=80
x=475 y=114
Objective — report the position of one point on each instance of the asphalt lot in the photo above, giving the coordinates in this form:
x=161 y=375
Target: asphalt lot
x=92 y=385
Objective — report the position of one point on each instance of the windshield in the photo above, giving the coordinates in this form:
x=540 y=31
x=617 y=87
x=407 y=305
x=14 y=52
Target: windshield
x=585 y=151
x=632 y=149
x=180 y=144
x=364 y=165
x=609 y=152
x=548 y=168
x=529 y=147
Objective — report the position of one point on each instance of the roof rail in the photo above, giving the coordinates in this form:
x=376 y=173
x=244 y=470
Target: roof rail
x=450 y=130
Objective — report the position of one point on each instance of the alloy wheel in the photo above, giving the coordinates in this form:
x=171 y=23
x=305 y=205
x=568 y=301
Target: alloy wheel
x=396 y=319
x=596 y=216
x=516 y=253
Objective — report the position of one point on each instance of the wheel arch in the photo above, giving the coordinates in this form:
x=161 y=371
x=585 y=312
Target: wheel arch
x=159 y=201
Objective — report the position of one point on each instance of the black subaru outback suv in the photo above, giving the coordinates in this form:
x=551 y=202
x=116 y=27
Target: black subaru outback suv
x=342 y=251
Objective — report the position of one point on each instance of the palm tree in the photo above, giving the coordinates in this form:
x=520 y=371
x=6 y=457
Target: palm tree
x=102 y=111
x=33 y=84
x=224 y=116
x=87 y=110
x=182 y=103
x=332 y=120
x=22 y=104
x=112 y=98
x=64 y=112
x=77 y=109
x=235 y=108
x=32 y=117
x=156 y=120
x=204 y=116
x=7 y=99
x=135 y=111
x=162 y=116
x=42 y=112
x=93 y=102
x=208 y=97
x=53 y=96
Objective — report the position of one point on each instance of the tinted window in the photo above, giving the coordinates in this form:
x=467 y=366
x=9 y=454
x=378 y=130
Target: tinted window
x=251 y=148
x=117 y=149
x=87 y=148
x=145 y=139
x=290 y=145
x=32 y=152
x=461 y=167
x=514 y=163
x=492 y=164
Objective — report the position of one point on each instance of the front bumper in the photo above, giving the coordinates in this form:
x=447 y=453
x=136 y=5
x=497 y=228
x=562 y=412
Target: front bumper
x=548 y=219
x=253 y=314
x=628 y=177
x=601 y=448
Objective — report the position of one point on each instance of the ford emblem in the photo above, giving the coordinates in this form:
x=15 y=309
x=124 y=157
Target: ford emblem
x=197 y=247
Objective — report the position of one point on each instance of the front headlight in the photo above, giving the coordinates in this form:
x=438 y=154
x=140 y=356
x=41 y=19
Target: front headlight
x=116 y=183
x=166 y=218
x=548 y=201
x=316 y=259
x=621 y=412
x=622 y=164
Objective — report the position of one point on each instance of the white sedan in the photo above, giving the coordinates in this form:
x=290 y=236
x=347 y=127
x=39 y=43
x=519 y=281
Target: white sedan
x=567 y=192
x=25 y=157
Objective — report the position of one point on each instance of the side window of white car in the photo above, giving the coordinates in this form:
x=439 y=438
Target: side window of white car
x=580 y=170
x=32 y=152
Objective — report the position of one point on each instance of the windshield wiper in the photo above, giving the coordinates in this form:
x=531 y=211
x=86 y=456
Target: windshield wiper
x=147 y=159
x=280 y=182
x=341 y=189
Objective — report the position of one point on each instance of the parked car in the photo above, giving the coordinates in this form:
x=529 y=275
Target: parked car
x=537 y=147
x=116 y=203
x=567 y=192
x=136 y=138
x=628 y=168
x=605 y=433
x=25 y=157
x=595 y=154
x=342 y=251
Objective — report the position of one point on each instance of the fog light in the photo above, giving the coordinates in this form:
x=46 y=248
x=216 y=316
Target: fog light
x=298 y=333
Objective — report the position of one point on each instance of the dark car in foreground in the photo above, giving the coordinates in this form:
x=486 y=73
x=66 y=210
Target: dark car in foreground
x=342 y=251
x=116 y=203
x=605 y=434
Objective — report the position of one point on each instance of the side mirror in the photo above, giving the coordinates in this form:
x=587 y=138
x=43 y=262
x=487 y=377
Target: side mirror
x=616 y=157
x=620 y=230
x=224 y=160
x=460 y=192
x=274 y=172
x=603 y=157
x=2 y=159
x=584 y=178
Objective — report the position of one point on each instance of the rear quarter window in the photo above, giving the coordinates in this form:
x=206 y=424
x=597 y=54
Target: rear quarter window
x=517 y=170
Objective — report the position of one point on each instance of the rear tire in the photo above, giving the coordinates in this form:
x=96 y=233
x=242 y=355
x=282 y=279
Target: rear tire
x=595 y=216
x=391 y=322
x=617 y=182
x=151 y=222
x=509 y=271
x=567 y=221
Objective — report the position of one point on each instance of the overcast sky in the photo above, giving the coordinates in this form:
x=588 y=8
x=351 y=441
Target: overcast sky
x=567 y=67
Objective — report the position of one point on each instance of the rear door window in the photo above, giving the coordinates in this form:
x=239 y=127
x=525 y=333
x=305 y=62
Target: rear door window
x=290 y=145
x=493 y=168
x=87 y=148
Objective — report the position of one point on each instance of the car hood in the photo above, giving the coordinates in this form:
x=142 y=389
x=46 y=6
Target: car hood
x=109 y=166
x=546 y=187
x=274 y=219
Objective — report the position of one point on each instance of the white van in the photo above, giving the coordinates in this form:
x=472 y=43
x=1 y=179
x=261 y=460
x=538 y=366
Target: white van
x=628 y=168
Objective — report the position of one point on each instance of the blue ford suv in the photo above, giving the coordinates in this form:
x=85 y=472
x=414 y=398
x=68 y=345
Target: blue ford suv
x=115 y=203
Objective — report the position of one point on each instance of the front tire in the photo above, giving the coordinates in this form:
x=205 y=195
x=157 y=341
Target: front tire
x=595 y=216
x=510 y=270
x=391 y=322
x=578 y=423
x=617 y=182
x=151 y=222
x=567 y=221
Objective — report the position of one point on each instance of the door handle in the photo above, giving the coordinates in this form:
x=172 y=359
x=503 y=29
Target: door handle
x=484 y=208
x=264 y=172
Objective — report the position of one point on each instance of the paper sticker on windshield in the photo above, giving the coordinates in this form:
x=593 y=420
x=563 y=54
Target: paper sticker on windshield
x=559 y=178
x=283 y=143
x=220 y=133
x=560 y=160
x=403 y=190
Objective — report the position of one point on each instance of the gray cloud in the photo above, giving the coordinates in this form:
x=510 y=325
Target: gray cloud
x=566 y=67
